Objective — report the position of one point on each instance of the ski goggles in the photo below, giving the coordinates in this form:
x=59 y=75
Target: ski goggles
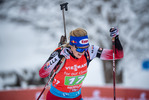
x=81 y=50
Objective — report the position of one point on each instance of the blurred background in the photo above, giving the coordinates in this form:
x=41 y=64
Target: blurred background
x=31 y=29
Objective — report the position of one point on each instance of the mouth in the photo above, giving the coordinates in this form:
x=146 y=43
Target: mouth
x=79 y=54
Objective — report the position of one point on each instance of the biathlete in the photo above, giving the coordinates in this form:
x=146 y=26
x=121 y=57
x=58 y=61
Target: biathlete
x=78 y=53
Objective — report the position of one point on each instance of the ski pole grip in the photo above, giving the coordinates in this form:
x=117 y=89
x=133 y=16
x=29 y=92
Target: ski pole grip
x=63 y=39
x=64 y=5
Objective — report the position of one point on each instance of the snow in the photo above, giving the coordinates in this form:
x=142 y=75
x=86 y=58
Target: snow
x=17 y=48
x=30 y=31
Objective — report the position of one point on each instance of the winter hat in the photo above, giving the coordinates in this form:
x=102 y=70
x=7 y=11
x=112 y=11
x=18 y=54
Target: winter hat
x=79 y=38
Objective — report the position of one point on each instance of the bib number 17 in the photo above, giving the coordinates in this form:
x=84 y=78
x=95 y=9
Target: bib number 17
x=74 y=80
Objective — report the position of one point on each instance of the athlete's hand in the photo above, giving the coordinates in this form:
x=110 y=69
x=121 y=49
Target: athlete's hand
x=65 y=53
x=114 y=32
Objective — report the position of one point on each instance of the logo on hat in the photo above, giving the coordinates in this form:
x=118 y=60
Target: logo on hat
x=84 y=41
x=73 y=41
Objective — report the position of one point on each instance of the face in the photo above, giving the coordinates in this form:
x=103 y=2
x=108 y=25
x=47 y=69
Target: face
x=76 y=53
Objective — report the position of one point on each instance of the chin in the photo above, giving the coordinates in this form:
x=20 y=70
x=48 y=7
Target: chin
x=79 y=56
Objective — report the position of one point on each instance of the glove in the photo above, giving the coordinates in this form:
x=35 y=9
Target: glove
x=65 y=53
x=114 y=32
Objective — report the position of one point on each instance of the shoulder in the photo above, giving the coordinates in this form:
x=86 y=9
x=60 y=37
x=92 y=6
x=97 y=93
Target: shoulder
x=61 y=52
x=56 y=52
x=59 y=48
x=93 y=50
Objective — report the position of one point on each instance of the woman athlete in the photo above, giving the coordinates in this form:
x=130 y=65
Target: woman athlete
x=78 y=53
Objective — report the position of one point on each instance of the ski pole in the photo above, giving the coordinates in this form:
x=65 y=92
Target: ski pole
x=113 y=32
x=64 y=38
x=55 y=72
x=114 y=68
x=45 y=86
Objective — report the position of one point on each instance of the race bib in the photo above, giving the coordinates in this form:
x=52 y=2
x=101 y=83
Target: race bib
x=74 y=80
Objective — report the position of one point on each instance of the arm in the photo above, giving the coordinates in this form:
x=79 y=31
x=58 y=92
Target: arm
x=54 y=61
x=107 y=54
x=50 y=64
